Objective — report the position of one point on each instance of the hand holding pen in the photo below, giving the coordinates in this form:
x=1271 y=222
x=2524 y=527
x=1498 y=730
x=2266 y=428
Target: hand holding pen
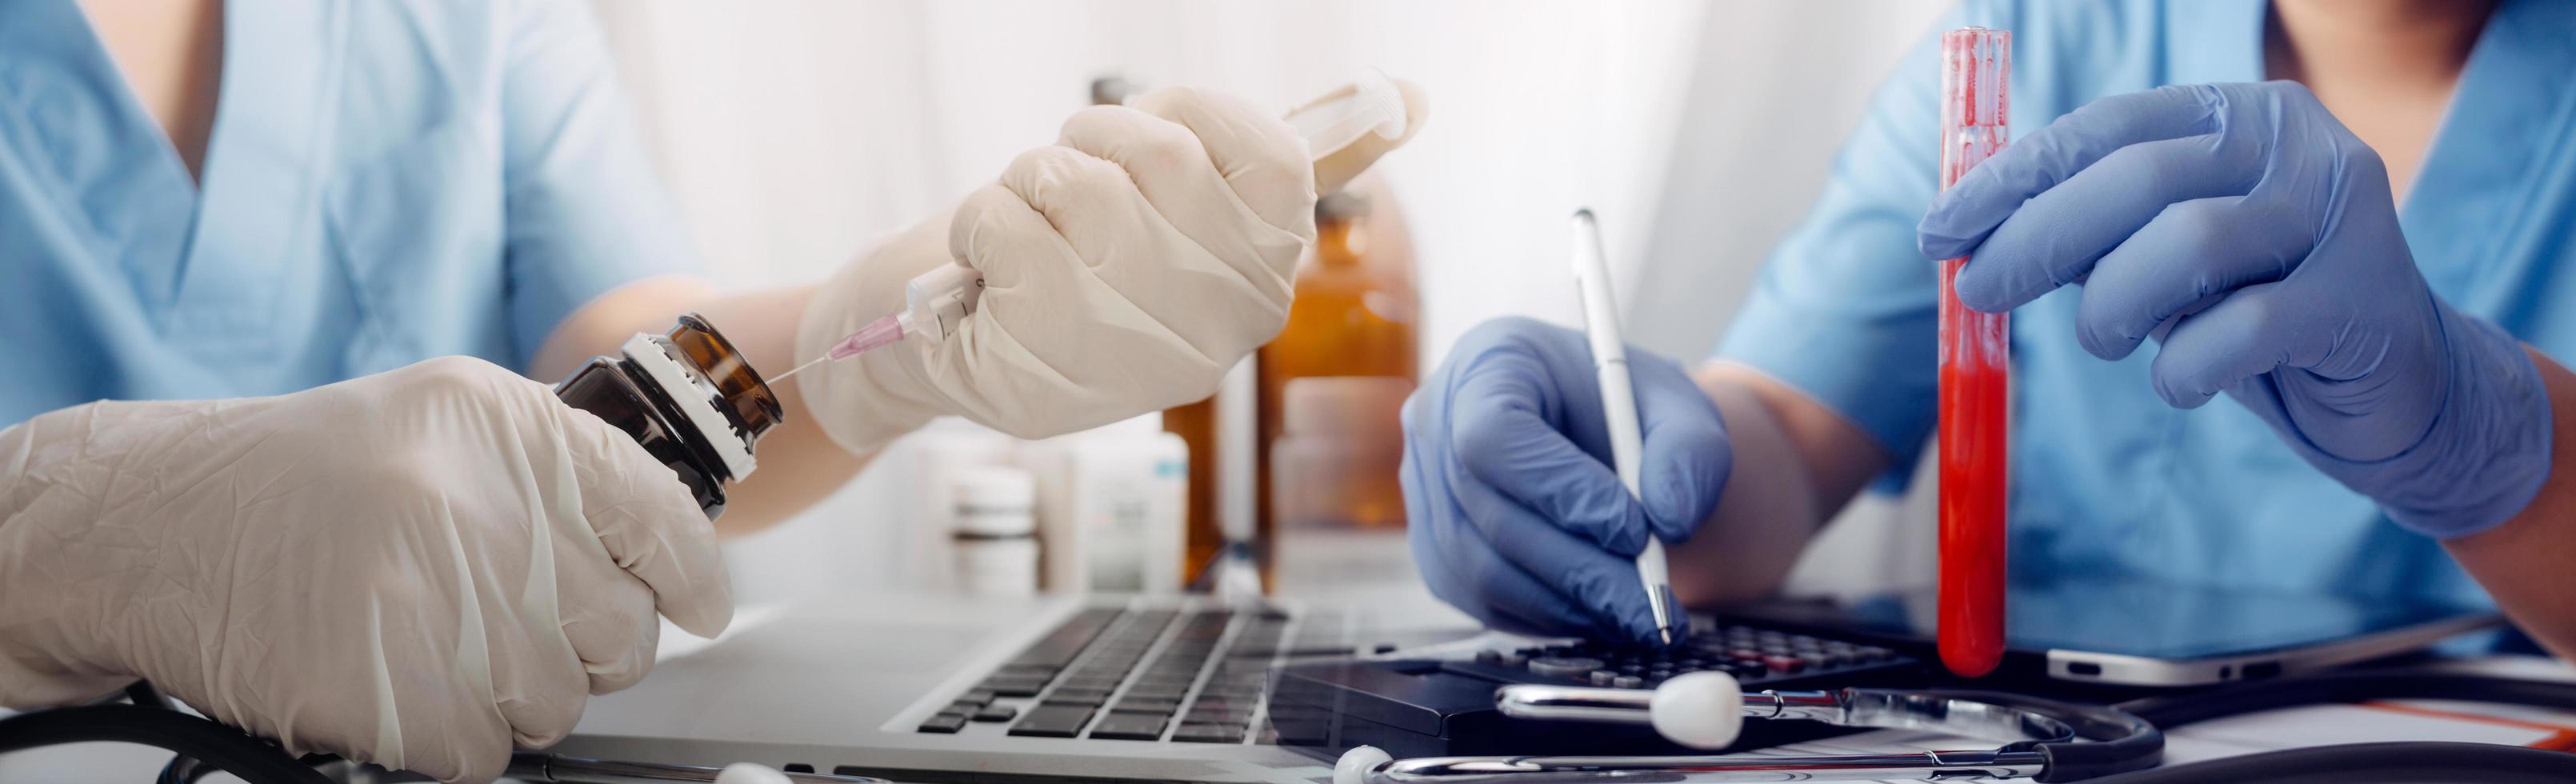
x=1619 y=411
x=1517 y=515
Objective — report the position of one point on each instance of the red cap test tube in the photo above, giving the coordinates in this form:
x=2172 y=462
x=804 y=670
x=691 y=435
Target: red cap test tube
x=1976 y=64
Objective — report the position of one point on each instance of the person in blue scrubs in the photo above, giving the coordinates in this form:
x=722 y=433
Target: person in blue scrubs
x=271 y=273
x=2372 y=258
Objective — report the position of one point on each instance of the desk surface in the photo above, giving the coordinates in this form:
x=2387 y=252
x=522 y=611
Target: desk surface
x=1340 y=567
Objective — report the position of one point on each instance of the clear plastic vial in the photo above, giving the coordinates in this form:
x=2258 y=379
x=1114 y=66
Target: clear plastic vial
x=689 y=398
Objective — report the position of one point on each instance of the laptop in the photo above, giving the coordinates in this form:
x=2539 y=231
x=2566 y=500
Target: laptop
x=943 y=688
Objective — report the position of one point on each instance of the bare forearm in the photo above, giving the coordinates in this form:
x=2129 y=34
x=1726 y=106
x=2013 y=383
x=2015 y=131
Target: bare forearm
x=1796 y=463
x=799 y=465
x=2529 y=563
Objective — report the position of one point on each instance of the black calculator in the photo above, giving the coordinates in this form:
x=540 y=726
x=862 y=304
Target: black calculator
x=1445 y=707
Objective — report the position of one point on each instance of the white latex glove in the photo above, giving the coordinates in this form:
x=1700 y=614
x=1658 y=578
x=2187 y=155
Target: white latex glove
x=1126 y=268
x=417 y=568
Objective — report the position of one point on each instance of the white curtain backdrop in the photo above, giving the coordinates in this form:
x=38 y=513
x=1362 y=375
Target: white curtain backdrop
x=796 y=131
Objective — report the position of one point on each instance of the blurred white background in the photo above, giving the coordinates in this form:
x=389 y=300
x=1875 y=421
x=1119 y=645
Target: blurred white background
x=795 y=132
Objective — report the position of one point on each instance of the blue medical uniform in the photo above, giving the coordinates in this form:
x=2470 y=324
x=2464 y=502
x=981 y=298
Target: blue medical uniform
x=385 y=182
x=2106 y=478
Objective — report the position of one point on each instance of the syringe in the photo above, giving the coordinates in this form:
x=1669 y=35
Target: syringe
x=939 y=300
x=934 y=303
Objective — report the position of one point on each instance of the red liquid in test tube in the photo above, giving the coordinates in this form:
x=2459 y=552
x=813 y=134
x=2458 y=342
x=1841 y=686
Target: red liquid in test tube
x=1975 y=374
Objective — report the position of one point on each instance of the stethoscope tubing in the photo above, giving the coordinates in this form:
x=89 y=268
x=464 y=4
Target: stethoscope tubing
x=2120 y=744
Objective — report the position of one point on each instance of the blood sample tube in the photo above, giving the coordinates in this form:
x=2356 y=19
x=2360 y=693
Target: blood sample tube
x=1976 y=64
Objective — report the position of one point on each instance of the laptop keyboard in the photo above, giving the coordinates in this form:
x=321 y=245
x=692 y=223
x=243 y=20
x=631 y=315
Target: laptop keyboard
x=1146 y=674
x=1200 y=674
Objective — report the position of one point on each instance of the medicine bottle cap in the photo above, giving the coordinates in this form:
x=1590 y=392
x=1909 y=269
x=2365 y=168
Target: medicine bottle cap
x=994 y=501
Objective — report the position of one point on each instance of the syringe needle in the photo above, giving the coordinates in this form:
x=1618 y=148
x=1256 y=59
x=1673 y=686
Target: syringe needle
x=870 y=336
x=800 y=368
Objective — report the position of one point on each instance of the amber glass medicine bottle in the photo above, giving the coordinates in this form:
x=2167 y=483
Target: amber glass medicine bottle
x=688 y=397
x=1333 y=382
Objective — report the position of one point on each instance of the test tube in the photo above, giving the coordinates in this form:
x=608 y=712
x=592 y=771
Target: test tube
x=1976 y=67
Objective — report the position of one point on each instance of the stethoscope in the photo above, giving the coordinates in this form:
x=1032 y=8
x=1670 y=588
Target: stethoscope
x=2045 y=740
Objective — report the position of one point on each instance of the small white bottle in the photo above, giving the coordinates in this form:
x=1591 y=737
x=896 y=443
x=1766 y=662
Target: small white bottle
x=995 y=530
x=1111 y=508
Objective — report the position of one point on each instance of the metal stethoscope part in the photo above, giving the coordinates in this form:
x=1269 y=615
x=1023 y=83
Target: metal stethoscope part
x=1706 y=709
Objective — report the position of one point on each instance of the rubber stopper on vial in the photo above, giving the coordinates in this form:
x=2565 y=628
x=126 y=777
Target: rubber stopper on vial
x=1701 y=710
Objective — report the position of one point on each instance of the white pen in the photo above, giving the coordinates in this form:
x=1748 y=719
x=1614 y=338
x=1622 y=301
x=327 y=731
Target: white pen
x=1618 y=402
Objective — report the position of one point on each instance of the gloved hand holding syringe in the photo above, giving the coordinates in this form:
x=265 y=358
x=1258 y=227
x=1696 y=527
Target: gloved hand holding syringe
x=937 y=301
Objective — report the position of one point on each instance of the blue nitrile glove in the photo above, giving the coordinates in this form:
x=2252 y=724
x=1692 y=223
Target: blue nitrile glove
x=2253 y=226
x=1516 y=514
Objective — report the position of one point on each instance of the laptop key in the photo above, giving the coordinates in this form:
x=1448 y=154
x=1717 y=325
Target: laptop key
x=1208 y=733
x=1134 y=704
x=1013 y=688
x=1206 y=716
x=1129 y=726
x=1025 y=671
x=997 y=713
x=1060 y=647
x=944 y=723
x=1052 y=721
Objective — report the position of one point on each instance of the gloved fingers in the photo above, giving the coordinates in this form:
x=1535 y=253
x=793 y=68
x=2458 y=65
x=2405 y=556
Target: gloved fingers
x=1503 y=440
x=535 y=673
x=540 y=690
x=1002 y=234
x=1603 y=583
x=450 y=748
x=1461 y=567
x=1686 y=457
x=1015 y=348
x=1209 y=290
x=1185 y=198
x=608 y=617
x=1983 y=198
x=2054 y=238
x=649 y=525
x=2186 y=258
x=2248 y=333
x=1516 y=601
x=1259 y=155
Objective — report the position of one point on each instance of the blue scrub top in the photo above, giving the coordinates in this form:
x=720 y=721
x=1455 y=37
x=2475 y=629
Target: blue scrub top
x=385 y=182
x=2106 y=478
